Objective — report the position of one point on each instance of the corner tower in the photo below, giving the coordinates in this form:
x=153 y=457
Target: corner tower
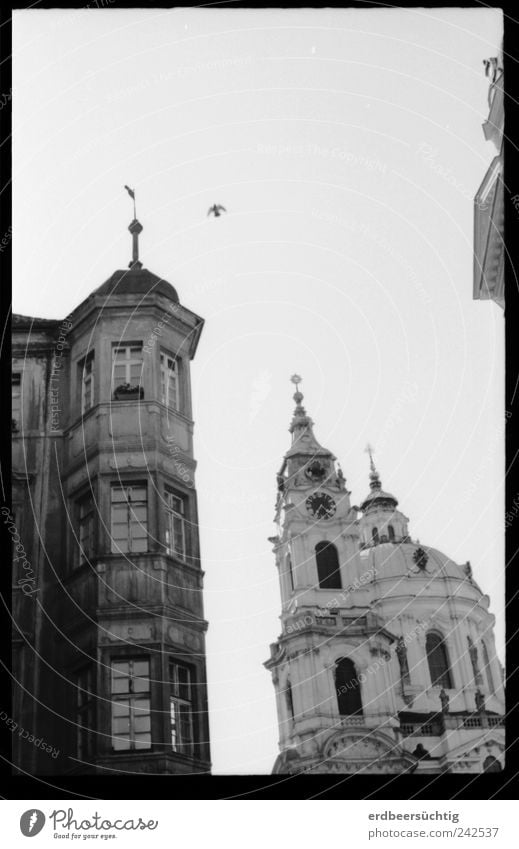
x=110 y=648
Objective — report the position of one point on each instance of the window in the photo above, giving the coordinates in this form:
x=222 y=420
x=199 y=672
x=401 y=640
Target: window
x=328 y=569
x=391 y=533
x=131 y=717
x=348 y=688
x=86 y=373
x=181 y=708
x=290 y=701
x=127 y=365
x=438 y=661
x=175 y=530
x=375 y=536
x=488 y=670
x=169 y=389
x=85 y=518
x=16 y=407
x=290 y=571
x=84 y=714
x=129 y=518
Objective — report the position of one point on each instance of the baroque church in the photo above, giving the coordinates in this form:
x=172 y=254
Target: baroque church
x=386 y=660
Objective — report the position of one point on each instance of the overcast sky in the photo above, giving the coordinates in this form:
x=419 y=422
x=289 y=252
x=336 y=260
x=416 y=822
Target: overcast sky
x=346 y=147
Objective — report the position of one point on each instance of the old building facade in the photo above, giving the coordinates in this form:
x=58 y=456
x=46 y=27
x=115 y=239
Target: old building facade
x=489 y=253
x=109 y=631
x=386 y=660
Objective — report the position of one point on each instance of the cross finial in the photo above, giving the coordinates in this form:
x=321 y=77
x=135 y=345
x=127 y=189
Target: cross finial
x=298 y=396
x=370 y=450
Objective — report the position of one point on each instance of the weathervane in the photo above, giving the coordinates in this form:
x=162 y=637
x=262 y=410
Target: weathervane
x=135 y=229
x=370 y=450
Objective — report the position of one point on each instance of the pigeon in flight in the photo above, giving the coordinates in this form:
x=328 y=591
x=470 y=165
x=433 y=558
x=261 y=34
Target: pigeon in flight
x=216 y=209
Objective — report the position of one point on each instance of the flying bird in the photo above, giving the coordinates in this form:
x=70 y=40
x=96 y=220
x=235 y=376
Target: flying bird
x=216 y=209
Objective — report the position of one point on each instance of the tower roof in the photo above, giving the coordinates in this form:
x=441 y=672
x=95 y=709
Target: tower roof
x=301 y=428
x=377 y=496
x=136 y=281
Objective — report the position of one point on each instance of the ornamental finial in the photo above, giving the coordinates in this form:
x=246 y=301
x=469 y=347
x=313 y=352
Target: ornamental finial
x=298 y=396
x=374 y=478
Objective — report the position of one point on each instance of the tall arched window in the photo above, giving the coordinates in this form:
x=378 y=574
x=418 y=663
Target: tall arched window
x=290 y=571
x=491 y=765
x=391 y=533
x=328 y=569
x=488 y=670
x=438 y=660
x=290 y=701
x=375 y=536
x=347 y=687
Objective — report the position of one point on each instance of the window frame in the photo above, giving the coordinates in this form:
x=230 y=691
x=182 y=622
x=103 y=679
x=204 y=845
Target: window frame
x=181 y=707
x=165 y=370
x=127 y=363
x=16 y=410
x=347 y=662
x=115 y=546
x=171 y=516
x=86 y=519
x=443 y=679
x=488 y=669
x=331 y=580
x=87 y=379
x=85 y=712
x=132 y=696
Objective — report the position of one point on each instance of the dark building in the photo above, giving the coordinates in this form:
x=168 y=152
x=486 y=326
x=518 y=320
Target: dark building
x=109 y=632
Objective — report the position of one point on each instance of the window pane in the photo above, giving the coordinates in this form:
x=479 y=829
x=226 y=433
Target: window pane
x=139 y=546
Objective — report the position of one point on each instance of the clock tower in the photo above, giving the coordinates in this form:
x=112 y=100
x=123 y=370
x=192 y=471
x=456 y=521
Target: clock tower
x=376 y=666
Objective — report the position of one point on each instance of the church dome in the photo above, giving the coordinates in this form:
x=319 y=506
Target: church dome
x=412 y=559
x=137 y=281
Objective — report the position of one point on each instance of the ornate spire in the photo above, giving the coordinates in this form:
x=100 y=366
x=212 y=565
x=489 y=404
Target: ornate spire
x=300 y=420
x=135 y=229
x=374 y=479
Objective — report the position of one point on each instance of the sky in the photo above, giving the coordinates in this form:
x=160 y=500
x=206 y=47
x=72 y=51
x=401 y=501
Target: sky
x=346 y=147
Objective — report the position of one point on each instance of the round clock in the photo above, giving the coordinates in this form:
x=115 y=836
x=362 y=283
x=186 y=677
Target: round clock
x=320 y=505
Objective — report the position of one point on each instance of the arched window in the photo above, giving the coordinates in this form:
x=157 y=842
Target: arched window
x=290 y=571
x=491 y=765
x=290 y=701
x=391 y=533
x=328 y=569
x=488 y=670
x=375 y=537
x=438 y=660
x=348 y=688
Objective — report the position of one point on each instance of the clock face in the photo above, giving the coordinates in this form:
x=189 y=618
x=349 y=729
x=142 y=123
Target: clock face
x=320 y=505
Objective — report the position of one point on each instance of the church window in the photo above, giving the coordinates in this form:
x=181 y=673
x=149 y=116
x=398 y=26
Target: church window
x=85 y=519
x=131 y=716
x=181 y=708
x=347 y=687
x=175 y=525
x=375 y=536
x=86 y=376
x=290 y=701
x=129 y=518
x=438 y=661
x=84 y=713
x=391 y=533
x=488 y=669
x=169 y=389
x=328 y=569
x=290 y=571
x=127 y=366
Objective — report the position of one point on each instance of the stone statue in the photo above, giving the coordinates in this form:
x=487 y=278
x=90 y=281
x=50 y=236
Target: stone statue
x=480 y=701
x=401 y=653
x=473 y=652
x=421 y=752
x=444 y=699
